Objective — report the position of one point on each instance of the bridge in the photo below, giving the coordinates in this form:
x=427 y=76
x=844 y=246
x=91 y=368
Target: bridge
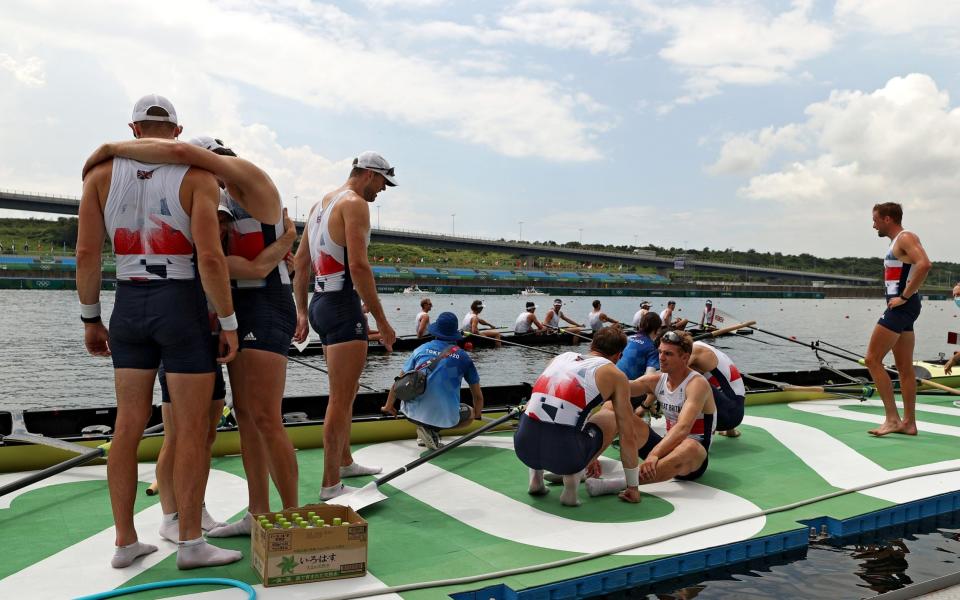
x=67 y=205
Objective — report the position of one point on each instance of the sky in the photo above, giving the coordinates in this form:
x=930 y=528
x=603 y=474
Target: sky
x=772 y=125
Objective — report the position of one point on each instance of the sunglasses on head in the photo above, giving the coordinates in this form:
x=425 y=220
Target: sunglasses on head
x=672 y=337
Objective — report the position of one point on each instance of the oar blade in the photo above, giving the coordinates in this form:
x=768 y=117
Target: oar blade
x=362 y=498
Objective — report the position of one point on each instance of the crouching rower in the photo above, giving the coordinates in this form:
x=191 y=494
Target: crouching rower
x=557 y=432
x=725 y=382
x=690 y=411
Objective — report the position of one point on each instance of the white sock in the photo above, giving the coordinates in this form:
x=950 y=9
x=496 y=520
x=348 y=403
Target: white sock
x=207 y=522
x=124 y=556
x=569 y=495
x=198 y=553
x=170 y=527
x=537 y=488
x=609 y=485
x=241 y=527
x=338 y=489
x=355 y=470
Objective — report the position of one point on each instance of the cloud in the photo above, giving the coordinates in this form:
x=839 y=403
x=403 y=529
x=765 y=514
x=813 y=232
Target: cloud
x=311 y=60
x=897 y=143
x=733 y=44
x=560 y=28
x=29 y=71
x=896 y=16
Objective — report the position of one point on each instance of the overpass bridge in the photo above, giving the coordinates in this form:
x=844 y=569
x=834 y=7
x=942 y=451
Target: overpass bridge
x=67 y=205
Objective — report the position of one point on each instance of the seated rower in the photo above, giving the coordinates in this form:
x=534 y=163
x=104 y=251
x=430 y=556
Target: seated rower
x=471 y=323
x=689 y=410
x=423 y=317
x=596 y=318
x=439 y=407
x=527 y=321
x=557 y=432
x=666 y=315
x=644 y=309
x=725 y=382
x=640 y=357
x=552 y=320
x=708 y=315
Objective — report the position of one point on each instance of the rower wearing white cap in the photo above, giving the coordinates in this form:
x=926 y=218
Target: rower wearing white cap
x=335 y=250
x=552 y=319
x=597 y=318
x=162 y=222
x=708 y=315
x=471 y=323
x=638 y=316
x=527 y=321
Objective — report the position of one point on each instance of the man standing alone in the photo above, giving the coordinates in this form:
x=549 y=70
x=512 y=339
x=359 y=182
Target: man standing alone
x=905 y=266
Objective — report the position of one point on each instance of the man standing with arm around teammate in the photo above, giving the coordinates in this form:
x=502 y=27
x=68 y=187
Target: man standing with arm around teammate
x=157 y=216
x=905 y=266
x=334 y=250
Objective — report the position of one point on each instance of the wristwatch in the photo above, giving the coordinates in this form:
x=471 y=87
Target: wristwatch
x=905 y=298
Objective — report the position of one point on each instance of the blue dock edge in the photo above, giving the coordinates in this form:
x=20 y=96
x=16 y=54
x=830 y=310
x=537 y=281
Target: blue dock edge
x=671 y=567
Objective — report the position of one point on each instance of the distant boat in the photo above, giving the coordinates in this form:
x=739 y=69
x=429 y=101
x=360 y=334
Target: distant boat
x=414 y=289
x=531 y=291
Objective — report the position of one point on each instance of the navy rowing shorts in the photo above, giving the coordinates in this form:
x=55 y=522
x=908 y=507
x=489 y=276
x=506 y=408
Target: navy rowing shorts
x=729 y=409
x=161 y=321
x=901 y=318
x=560 y=449
x=655 y=438
x=337 y=317
x=267 y=318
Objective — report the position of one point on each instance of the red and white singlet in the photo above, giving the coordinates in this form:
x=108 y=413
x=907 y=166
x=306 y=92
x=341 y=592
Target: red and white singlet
x=567 y=390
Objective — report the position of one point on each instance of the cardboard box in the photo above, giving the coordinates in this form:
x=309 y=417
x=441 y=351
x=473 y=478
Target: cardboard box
x=297 y=555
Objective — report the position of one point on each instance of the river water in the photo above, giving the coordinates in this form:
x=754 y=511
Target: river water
x=43 y=362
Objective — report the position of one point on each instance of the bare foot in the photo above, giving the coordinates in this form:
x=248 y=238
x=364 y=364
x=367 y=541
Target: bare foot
x=908 y=428
x=887 y=427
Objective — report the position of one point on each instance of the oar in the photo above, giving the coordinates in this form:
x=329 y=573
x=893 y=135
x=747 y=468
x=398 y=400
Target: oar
x=86 y=456
x=561 y=331
x=867 y=390
x=502 y=341
x=919 y=373
x=306 y=364
x=719 y=332
x=370 y=493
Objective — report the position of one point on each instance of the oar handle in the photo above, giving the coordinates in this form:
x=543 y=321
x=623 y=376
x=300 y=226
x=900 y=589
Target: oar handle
x=461 y=440
x=719 y=332
x=96 y=453
x=938 y=386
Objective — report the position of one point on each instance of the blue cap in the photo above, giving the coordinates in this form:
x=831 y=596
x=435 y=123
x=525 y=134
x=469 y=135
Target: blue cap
x=446 y=327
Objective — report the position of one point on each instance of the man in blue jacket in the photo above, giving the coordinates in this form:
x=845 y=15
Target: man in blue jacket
x=439 y=406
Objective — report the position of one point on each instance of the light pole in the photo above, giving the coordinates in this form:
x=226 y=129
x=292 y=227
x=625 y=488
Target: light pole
x=580 y=229
x=636 y=240
x=453 y=224
x=521 y=230
x=378 y=217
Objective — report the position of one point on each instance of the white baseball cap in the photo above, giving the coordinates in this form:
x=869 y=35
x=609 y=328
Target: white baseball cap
x=212 y=144
x=153 y=101
x=373 y=161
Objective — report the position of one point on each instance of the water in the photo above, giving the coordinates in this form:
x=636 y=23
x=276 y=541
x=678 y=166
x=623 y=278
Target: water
x=43 y=362
x=856 y=567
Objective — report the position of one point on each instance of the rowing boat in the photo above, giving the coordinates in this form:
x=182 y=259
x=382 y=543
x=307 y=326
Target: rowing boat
x=303 y=415
x=562 y=338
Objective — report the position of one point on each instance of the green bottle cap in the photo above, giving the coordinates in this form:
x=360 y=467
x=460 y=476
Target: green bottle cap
x=337 y=520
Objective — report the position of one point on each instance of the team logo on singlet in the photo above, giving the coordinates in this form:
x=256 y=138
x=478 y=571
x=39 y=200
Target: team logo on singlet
x=144 y=174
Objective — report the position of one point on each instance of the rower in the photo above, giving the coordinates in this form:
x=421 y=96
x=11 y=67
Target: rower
x=557 y=432
x=439 y=407
x=666 y=315
x=552 y=320
x=725 y=382
x=690 y=412
x=471 y=323
x=423 y=317
x=527 y=320
x=597 y=318
x=948 y=367
x=637 y=316
x=708 y=315
x=640 y=357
